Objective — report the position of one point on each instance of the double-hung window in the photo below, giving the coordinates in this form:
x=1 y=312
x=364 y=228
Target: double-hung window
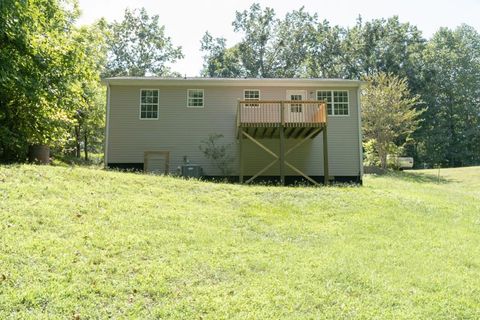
x=337 y=101
x=251 y=95
x=195 y=98
x=149 y=104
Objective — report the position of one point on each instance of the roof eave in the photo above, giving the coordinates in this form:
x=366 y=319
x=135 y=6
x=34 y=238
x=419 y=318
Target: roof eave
x=296 y=82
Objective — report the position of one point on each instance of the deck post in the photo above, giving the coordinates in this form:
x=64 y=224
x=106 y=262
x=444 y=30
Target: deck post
x=282 y=143
x=241 y=155
x=326 y=176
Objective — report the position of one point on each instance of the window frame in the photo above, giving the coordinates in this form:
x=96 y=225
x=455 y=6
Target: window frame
x=253 y=104
x=203 y=98
x=332 y=97
x=140 y=106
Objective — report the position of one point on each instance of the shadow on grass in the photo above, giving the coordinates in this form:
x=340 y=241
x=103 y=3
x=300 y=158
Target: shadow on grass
x=417 y=177
x=68 y=160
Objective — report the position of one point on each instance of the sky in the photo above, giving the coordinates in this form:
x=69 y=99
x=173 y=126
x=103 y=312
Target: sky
x=186 y=21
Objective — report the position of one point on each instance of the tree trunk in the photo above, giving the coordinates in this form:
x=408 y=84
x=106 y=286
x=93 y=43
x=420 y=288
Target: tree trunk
x=382 y=155
x=77 y=141
x=85 y=145
x=383 y=161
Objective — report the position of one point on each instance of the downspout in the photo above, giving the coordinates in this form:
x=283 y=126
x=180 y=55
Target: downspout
x=107 y=121
x=360 y=146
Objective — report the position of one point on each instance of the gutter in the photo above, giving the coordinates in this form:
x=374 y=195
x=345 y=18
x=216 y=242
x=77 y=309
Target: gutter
x=107 y=122
x=360 y=144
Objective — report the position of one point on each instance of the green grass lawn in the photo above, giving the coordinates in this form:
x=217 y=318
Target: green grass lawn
x=84 y=243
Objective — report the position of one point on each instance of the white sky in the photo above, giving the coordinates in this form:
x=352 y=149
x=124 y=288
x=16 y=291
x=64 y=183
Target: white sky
x=186 y=21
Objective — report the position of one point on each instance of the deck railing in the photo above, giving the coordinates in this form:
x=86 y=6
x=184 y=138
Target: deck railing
x=273 y=113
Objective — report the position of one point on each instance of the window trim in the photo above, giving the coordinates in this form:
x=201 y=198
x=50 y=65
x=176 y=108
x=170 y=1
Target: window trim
x=333 y=102
x=140 y=106
x=259 y=94
x=203 y=98
x=252 y=104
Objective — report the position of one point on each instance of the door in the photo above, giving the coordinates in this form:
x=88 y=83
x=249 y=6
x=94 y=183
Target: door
x=156 y=162
x=294 y=111
x=295 y=95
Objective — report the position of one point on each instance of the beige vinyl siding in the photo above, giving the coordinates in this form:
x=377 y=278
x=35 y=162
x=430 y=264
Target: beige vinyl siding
x=180 y=130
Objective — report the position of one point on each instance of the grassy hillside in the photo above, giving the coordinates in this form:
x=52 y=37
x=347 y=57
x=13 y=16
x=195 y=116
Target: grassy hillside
x=84 y=243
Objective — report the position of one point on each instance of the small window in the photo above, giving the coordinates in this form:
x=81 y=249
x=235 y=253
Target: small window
x=148 y=104
x=251 y=95
x=195 y=98
x=337 y=102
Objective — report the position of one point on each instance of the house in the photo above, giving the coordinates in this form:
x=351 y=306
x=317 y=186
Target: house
x=285 y=129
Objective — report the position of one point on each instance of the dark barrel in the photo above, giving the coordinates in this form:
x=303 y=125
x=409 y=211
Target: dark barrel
x=39 y=154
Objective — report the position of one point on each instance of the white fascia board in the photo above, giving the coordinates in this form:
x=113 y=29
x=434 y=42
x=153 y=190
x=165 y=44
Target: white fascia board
x=237 y=82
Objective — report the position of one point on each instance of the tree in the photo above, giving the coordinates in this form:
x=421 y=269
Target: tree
x=89 y=109
x=382 y=45
x=37 y=61
x=257 y=26
x=220 y=61
x=138 y=46
x=326 y=53
x=270 y=47
x=295 y=36
x=389 y=116
x=450 y=135
x=49 y=77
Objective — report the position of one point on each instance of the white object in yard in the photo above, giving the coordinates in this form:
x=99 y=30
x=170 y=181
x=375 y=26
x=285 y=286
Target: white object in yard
x=404 y=162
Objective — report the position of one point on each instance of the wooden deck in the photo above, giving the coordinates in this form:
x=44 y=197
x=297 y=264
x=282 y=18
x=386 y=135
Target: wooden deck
x=263 y=119
x=300 y=119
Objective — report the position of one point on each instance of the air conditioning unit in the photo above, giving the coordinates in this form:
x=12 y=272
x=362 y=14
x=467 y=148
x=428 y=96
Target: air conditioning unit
x=192 y=171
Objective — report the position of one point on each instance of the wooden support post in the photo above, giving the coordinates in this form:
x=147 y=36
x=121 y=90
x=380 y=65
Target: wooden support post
x=282 y=156
x=325 y=157
x=282 y=144
x=241 y=155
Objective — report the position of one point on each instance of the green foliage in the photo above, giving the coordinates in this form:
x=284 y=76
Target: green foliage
x=35 y=60
x=300 y=45
x=295 y=37
x=219 y=61
x=138 y=46
x=140 y=246
x=257 y=26
x=219 y=154
x=389 y=116
x=370 y=154
x=451 y=76
x=47 y=70
x=89 y=106
x=382 y=45
x=270 y=47
x=325 y=57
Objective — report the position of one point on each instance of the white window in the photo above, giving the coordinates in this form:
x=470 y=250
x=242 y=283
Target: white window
x=148 y=104
x=251 y=95
x=195 y=98
x=296 y=107
x=337 y=102
x=296 y=95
